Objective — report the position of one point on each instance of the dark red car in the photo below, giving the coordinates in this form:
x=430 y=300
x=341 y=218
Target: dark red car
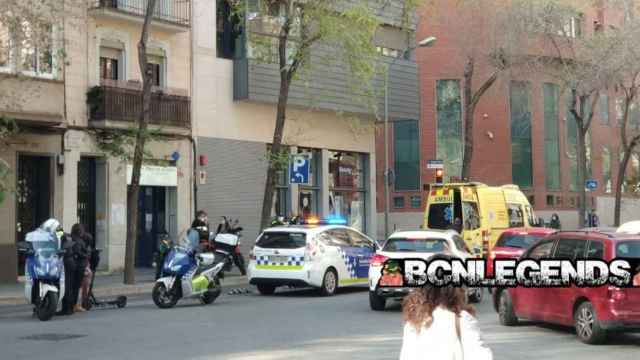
x=594 y=312
x=514 y=242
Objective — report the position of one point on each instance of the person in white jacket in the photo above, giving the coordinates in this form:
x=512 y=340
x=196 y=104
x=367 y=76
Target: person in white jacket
x=440 y=324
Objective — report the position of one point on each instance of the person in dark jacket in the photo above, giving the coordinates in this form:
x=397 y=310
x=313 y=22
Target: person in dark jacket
x=201 y=225
x=68 y=244
x=555 y=222
x=87 y=259
x=82 y=256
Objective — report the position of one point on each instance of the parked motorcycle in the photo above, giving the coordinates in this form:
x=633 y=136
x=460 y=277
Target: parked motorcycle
x=226 y=244
x=44 y=269
x=187 y=273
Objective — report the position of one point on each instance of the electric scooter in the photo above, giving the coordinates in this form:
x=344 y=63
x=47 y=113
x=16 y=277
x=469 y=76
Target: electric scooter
x=91 y=301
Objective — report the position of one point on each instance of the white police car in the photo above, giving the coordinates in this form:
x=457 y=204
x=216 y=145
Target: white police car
x=322 y=255
x=416 y=245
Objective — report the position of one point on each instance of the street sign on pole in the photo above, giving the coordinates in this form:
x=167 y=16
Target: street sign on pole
x=299 y=169
x=435 y=164
x=591 y=184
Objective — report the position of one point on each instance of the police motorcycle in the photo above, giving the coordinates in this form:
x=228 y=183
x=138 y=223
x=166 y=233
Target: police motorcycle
x=226 y=244
x=44 y=268
x=188 y=273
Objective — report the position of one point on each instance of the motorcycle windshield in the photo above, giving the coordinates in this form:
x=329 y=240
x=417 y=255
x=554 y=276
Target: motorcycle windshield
x=189 y=240
x=44 y=243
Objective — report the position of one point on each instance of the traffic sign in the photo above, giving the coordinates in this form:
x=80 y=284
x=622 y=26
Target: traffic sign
x=435 y=164
x=299 y=169
x=591 y=184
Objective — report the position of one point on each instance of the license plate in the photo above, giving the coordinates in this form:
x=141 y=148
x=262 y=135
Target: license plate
x=278 y=259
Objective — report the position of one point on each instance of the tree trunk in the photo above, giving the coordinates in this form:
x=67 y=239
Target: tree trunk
x=134 y=189
x=622 y=169
x=286 y=76
x=582 y=170
x=469 y=110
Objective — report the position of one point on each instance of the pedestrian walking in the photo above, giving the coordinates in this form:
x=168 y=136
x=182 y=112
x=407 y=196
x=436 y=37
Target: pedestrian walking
x=68 y=244
x=592 y=219
x=554 y=223
x=440 y=324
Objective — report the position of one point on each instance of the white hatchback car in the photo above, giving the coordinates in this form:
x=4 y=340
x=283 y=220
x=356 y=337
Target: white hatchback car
x=321 y=256
x=416 y=245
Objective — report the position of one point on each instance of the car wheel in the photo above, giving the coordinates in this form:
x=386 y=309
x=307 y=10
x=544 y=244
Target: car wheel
x=476 y=296
x=587 y=325
x=329 y=283
x=505 y=310
x=266 y=289
x=377 y=303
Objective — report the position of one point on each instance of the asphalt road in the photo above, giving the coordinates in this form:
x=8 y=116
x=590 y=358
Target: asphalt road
x=289 y=325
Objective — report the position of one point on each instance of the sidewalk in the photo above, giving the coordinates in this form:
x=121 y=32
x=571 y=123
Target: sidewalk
x=108 y=285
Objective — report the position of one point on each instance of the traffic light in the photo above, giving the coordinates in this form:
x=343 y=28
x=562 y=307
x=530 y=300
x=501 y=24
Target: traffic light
x=439 y=176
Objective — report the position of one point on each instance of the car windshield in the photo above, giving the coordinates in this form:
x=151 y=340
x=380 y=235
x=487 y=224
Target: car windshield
x=415 y=245
x=440 y=216
x=628 y=249
x=520 y=241
x=282 y=240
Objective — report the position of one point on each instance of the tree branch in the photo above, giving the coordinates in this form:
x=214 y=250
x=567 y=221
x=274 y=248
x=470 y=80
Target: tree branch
x=485 y=86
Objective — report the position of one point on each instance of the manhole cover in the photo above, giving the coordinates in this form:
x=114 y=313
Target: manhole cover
x=52 y=337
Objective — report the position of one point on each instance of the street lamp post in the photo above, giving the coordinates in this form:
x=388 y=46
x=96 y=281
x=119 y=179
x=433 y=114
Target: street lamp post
x=426 y=42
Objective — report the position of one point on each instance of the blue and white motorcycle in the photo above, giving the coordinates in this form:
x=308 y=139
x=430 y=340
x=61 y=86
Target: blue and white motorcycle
x=188 y=274
x=44 y=269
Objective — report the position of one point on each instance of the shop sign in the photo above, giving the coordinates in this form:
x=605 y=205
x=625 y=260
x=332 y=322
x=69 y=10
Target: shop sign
x=155 y=175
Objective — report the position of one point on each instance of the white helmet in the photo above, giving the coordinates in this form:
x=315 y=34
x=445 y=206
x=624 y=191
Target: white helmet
x=50 y=226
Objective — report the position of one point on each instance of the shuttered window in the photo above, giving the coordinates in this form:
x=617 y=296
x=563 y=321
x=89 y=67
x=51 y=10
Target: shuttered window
x=449 y=117
x=551 y=138
x=407 y=155
x=521 y=160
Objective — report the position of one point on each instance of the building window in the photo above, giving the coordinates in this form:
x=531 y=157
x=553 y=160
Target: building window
x=157 y=63
x=229 y=31
x=634 y=117
x=108 y=68
x=449 y=126
x=36 y=50
x=347 y=187
x=606 y=169
x=522 y=164
x=416 y=202
x=112 y=60
x=572 y=27
x=619 y=111
x=309 y=195
x=603 y=106
x=407 y=155
x=550 y=199
x=398 y=202
x=551 y=138
x=394 y=53
x=632 y=177
x=5 y=48
x=572 y=145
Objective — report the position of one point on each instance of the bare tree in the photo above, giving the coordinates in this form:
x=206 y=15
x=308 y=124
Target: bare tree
x=133 y=190
x=624 y=65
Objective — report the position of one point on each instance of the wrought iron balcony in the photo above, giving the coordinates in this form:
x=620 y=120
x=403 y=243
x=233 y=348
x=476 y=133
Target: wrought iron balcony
x=175 y=12
x=124 y=104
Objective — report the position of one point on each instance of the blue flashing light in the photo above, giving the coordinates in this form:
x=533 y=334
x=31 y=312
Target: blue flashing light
x=336 y=220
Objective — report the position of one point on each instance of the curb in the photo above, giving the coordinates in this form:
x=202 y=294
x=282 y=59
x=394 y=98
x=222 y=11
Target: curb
x=126 y=290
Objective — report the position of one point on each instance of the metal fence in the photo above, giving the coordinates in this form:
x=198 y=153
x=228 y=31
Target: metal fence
x=122 y=104
x=173 y=11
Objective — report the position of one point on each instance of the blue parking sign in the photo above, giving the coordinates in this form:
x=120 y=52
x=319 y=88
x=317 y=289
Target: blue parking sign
x=299 y=169
x=591 y=184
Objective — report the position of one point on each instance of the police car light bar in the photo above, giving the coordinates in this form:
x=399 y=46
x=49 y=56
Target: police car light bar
x=328 y=221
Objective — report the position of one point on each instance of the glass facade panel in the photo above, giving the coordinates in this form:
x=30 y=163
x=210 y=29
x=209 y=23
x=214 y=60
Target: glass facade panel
x=551 y=138
x=522 y=164
x=347 y=192
x=407 y=155
x=449 y=123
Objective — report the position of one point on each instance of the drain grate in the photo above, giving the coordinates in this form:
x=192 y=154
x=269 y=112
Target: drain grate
x=52 y=337
x=242 y=291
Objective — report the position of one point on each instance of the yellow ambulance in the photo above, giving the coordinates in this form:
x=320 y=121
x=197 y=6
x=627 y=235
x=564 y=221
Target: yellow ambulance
x=480 y=213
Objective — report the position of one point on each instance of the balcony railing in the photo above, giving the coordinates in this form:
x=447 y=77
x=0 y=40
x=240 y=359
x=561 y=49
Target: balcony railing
x=123 y=104
x=172 y=11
